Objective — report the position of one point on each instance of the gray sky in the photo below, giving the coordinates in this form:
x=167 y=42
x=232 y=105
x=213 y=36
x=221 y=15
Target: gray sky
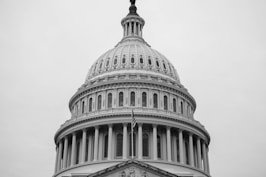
x=217 y=47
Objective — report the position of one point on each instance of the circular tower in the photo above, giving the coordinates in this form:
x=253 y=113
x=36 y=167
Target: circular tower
x=132 y=83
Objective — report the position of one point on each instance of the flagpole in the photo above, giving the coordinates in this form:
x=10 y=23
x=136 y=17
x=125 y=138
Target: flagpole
x=132 y=140
x=133 y=123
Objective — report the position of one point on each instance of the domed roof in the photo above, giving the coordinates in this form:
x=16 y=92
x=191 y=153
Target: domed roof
x=132 y=54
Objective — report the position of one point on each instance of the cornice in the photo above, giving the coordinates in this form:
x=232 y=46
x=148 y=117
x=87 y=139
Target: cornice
x=181 y=121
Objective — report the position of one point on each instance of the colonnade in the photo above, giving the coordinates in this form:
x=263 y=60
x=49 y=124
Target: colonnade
x=132 y=28
x=103 y=143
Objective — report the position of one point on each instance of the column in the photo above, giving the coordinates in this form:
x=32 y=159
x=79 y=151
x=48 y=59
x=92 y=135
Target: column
x=59 y=156
x=204 y=157
x=96 y=139
x=130 y=29
x=181 y=150
x=168 y=136
x=191 y=155
x=83 y=149
x=100 y=146
x=199 y=153
x=135 y=28
x=65 y=152
x=140 y=140
x=207 y=157
x=56 y=159
x=155 y=142
x=125 y=141
x=110 y=135
x=175 y=149
x=126 y=29
x=74 y=146
x=89 y=148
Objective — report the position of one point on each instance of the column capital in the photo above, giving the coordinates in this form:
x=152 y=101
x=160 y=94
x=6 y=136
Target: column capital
x=140 y=124
x=110 y=125
x=125 y=124
x=154 y=125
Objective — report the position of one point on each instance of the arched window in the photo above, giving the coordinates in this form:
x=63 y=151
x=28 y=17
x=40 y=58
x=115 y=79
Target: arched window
x=182 y=107
x=155 y=100
x=109 y=105
x=99 y=102
x=157 y=63
x=174 y=105
x=107 y=63
x=121 y=99
x=159 y=146
x=141 y=60
x=132 y=99
x=119 y=145
x=83 y=107
x=101 y=65
x=95 y=67
x=90 y=104
x=164 y=66
x=124 y=59
x=115 y=61
x=165 y=101
x=132 y=59
x=149 y=61
x=134 y=145
x=145 y=145
x=144 y=99
x=105 y=153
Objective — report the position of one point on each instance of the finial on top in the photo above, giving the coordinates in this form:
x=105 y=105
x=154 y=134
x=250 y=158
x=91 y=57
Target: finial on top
x=132 y=2
x=133 y=8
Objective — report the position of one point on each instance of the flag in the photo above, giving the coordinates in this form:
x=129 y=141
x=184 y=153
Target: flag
x=133 y=119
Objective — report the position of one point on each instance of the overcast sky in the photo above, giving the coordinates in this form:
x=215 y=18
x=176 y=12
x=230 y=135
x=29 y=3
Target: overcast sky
x=218 y=49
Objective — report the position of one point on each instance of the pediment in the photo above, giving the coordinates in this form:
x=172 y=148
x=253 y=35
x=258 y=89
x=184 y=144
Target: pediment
x=132 y=168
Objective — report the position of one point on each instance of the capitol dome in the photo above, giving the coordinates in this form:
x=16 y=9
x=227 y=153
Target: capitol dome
x=133 y=56
x=132 y=112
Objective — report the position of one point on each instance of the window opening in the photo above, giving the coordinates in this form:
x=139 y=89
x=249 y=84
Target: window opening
x=132 y=99
x=109 y=105
x=165 y=103
x=144 y=99
x=121 y=99
x=90 y=104
x=155 y=101
x=174 y=105
x=99 y=102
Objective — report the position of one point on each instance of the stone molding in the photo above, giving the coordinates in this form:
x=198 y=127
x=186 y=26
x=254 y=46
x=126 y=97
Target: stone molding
x=184 y=124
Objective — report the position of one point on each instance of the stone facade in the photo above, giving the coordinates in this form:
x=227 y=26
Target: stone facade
x=132 y=77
